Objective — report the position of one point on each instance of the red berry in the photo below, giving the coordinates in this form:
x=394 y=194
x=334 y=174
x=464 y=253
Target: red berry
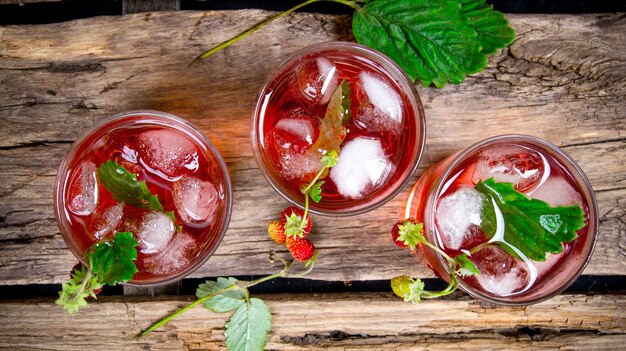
x=299 y=212
x=277 y=232
x=301 y=249
x=395 y=234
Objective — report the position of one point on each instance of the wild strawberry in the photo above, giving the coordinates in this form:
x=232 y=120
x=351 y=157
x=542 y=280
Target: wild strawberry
x=404 y=231
x=293 y=222
x=277 y=232
x=300 y=248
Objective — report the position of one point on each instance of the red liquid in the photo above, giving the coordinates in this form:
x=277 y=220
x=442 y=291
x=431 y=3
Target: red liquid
x=290 y=125
x=537 y=174
x=171 y=161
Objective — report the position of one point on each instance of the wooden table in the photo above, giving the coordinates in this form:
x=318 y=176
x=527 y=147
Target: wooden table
x=564 y=79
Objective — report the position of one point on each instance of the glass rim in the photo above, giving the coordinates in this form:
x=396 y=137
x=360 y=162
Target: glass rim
x=429 y=215
x=403 y=81
x=60 y=182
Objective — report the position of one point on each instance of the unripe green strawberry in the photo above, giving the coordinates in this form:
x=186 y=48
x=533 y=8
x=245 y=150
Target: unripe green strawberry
x=400 y=286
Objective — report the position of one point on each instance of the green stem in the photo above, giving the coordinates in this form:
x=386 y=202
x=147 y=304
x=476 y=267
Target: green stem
x=447 y=291
x=243 y=286
x=263 y=24
x=317 y=176
x=441 y=252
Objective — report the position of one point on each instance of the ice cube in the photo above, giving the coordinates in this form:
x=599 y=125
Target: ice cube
x=168 y=152
x=196 y=200
x=154 y=232
x=105 y=222
x=378 y=104
x=514 y=164
x=316 y=79
x=557 y=191
x=295 y=132
x=363 y=166
x=83 y=190
x=459 y=217
x=175 y=256
x=500 y=273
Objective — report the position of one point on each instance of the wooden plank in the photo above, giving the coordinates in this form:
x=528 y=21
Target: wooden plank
x=315 y=322
x=59 y=79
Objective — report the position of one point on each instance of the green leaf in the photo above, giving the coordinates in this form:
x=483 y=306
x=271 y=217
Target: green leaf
x=316 y=191
x=331 y=129
x=248 y=327
x=346 y=102
x=77 y=289
x=113 y=261
x=125 y=188
x=224 y=302
x=411 y=234
x=432 y=41
x=330 y=159
x=465 y=267
x=491 y=26
x=530 y=225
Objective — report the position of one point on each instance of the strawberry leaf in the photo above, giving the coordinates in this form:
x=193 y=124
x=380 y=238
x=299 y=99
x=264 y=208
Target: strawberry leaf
x=530 y=225
x=248 y=327
x=112 y=262
x=81 y=285
x=491 y=26
x=225 y=301
x=125 y=188
x=331 y=126
x=295 y=224
x=465 y=267
x=411 y=234
x=432 y=41
x=316 y=191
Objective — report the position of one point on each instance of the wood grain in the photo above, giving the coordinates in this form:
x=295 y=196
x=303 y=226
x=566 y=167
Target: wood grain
x=326 y=321
x=564 y=79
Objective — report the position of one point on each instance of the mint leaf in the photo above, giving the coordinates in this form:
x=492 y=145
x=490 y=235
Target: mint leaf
x=491 y=26
x=530 y=225
x=316 y=191
x=77 y=289
x=432 y=41
x=224 y=302
x=331 y=126
x=248 y=327
x=112 y=262
x=125 y=188
x=465 y=267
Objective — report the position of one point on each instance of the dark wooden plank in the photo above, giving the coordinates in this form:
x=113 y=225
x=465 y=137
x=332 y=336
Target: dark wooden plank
x=564 y=79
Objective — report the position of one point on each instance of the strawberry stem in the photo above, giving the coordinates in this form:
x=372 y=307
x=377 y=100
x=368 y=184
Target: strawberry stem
x=263 y=24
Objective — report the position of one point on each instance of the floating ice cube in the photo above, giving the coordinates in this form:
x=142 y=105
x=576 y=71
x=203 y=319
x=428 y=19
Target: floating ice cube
x=154 y=232
x=196 y=200
x=293 y=133
x=105 y=222
x=557 y=191
x=175 y=256
x=500 y=273
x=514 y=164
x=316 y=80
x=458 y=216
x=378 y=104
x=83 y=190
x=300 y=166
x=363 y=166
x=168 y=152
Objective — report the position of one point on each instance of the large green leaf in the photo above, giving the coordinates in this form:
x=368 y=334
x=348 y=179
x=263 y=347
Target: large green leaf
x=223 y=302
x=113 y=261
x=432 y=41
x=248 y=327
x=491 y=26
x=125 y=188
x=530 y=225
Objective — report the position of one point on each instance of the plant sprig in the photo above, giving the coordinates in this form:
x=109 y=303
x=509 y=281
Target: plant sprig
x=433 y=41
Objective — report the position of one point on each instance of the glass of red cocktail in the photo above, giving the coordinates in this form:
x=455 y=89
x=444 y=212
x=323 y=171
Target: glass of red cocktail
x=381 y=143
x=179 y=165
x=446 y=200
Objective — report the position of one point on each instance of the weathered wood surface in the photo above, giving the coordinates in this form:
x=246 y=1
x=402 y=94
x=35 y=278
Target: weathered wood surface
x=313 y=322
x=564 y=79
